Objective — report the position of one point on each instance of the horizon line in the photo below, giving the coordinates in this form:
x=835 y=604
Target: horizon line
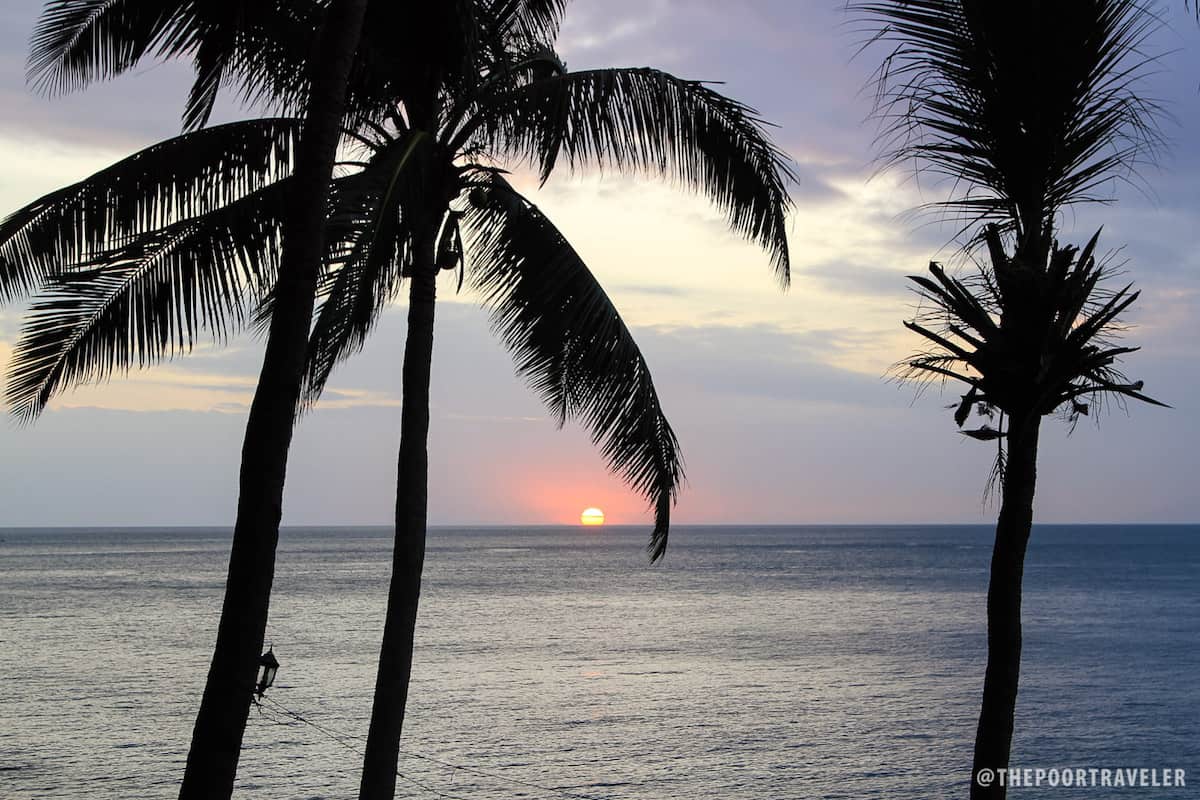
x=496 y=525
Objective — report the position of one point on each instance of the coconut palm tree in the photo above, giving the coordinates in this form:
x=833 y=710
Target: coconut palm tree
x=546 y=306
x=1028 y=107
x=427 y=176
x=80 y=40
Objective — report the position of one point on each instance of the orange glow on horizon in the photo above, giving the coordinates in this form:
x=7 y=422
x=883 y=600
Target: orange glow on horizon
x=544 y=493
x=591 y=517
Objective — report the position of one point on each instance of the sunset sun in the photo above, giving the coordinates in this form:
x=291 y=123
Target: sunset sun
x=591 y=517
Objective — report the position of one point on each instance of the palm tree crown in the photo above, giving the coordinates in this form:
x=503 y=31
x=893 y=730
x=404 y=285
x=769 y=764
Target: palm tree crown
x=1023 y=341
x=1028 y=107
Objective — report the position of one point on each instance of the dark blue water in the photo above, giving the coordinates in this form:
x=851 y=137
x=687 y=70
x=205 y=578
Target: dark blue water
x=814 y=662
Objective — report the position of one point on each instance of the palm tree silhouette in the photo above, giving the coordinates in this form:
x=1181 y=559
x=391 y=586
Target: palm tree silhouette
x=569 y=340
x=80 y=40
x=164 y=259
x=1028 y=107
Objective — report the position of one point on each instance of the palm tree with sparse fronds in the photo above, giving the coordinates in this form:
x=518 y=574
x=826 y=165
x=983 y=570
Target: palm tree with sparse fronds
x=425 y=190
x=1027 y=107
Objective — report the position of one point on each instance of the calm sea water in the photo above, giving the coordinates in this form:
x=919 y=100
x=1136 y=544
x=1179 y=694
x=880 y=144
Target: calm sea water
x=811 y=662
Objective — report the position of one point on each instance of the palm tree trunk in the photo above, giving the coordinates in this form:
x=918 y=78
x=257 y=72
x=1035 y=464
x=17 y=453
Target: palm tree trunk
x=408 y=556
x=217 y=736
x=993 y=738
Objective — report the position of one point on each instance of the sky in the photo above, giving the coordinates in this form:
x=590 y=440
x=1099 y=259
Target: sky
x=783 y=401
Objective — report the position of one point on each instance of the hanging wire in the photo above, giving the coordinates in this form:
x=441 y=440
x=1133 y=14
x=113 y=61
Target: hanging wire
x=343 y=739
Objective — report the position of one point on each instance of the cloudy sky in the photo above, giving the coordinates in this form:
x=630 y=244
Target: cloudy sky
x=781 y=400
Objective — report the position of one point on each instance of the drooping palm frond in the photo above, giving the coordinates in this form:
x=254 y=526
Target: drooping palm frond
x=648 y=121
x=182 y=177
x=1027 y=106
x=1024 y=340
x=147 y=300
x=571 y=344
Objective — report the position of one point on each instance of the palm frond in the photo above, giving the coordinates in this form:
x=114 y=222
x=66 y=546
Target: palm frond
x=1027 y=106
x=375 y=217
x=526 y=21
x=353 y=298
x=570 y=343
x=146 y=300
x=182 y=177
x=77 y=42
x=370 y=236
x=263 y=45
x=648 y=121
x=214 y=54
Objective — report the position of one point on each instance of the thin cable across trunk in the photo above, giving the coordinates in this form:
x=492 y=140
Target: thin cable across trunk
x=408 y=557
x=221 y=723
x=993 y=738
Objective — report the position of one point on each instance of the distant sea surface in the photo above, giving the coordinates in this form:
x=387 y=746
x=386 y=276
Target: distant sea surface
x=754 y=664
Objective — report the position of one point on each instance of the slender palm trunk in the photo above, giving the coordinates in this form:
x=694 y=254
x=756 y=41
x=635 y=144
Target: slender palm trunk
x=217 y=736
x=993 y=738
x=408 y=555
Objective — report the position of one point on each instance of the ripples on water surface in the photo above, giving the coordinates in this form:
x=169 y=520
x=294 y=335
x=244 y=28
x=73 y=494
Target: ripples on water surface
x=755 y=663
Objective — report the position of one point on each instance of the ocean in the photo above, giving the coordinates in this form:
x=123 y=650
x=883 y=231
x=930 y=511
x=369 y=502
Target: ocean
x=776 y=662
